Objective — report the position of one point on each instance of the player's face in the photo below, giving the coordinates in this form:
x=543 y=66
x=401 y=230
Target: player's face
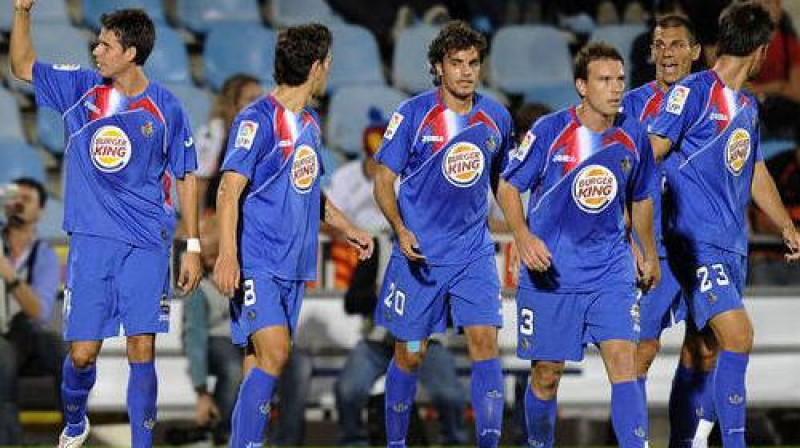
x=109 y=55
x=24 y=205
x=249 y=93
x=605 y=86
x=460 y=72
x=673 y=54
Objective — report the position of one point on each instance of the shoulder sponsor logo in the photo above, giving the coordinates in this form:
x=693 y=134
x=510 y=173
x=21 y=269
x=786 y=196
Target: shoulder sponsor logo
x=394 y=123
x=521 y=152
x=110 y=149
x=564 y=158
x=246 y=134
x=677 y=99
x=432 y=138
x=737 y=151
x=66 y=67
x=284 y=143
x=463 y=164
x=718 y=116
x=304 y=170
x=595 y=187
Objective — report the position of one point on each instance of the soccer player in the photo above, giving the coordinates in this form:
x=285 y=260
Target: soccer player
x=124 y=132
x=447 y=146
x=674 y=48
x=273 y=165
x=709 y=126
x=583 y=165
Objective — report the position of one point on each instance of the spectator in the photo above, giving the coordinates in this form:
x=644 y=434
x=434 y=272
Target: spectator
x=31 y=272
x=237 y=92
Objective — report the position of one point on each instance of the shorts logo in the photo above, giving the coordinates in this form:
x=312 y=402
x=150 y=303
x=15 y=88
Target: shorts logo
x=246 y=134
x=394 y=123
x=594 y=188
x=304 y=169
x=463 y=164
x=264 y=408
x=735 y=399
x=737 y=151
x=110 y=149
x=677 y=99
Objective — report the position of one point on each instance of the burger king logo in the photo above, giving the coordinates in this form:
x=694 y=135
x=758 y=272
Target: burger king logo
x=594 y=188
x=463 y=164
x=304 y=169
x=110 y=149
x=737 y=151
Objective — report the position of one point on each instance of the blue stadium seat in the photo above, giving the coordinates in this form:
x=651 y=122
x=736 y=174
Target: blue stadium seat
x=49 y=226
x=238 y=48
x=620 y=37
x=58 y=44
x=524 y=58
x=200 y=15
x=18 y=159
x=11 y=122
x=410 y=59
x=356 y=59
x=50 y=128
x=771 y=148
x=556 y=96
x=169 y=61
x=196 y=102
x=293 y=12
x=53 y=12
x=94 y=9
x=348 y=114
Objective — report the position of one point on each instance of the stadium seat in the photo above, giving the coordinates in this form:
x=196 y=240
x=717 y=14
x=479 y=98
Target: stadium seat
x=238 y=48
x=94 y=9
x=54 y=12
x=293 y=12
x=196 y=102
x=348 y=114
x=169 y=61
x=50 y=128
x=356 y=59
x=11 y=123
x=556 y=97
x=620 y=37
x=200 y=15
x=18 y=159
x=410 y=59
x=57 y=44
x=524 y=58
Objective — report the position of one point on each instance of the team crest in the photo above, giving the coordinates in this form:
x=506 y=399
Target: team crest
x=463 y=164
x=305 y=169
x=491 y=143
x=594 y=188
x=147 y=129
x=737 y=151
x=626 y=165
x=110 y=149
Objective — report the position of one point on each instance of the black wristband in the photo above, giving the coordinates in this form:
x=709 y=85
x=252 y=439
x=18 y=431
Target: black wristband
x=12 y=285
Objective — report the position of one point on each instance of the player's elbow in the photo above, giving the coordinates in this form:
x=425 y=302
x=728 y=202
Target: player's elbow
x=21 y=68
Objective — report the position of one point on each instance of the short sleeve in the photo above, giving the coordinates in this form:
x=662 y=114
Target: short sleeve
x=679 y=111
x=180 y=143
x=397 y=140
x=249 y=139
x=60 y=86
x=527 y=161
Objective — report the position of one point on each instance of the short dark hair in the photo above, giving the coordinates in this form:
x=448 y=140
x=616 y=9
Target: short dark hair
x=133 y=28
x=36 y=185
x=743 y=27
x=297 y=49
x=456 y=35
x=676 y=21
x=593 y=51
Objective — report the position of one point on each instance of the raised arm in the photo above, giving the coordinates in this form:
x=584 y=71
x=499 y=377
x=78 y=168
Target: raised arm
x=21 y=53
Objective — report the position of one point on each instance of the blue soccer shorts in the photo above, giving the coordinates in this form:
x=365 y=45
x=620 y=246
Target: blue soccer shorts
x=662 y=307
x=262 y=301
x=113 y=286
x=416 y=297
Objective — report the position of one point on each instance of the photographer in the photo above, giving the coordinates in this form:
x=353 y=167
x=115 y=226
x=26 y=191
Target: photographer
x=31 y=272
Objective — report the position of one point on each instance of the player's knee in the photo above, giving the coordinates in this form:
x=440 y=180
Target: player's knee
x=740 y=342
x=407 y=359
x=82 y=357
x=646 y=352
x=141 y=348
x=621 y=365
x=546 y=378
x=273 y=360
x=483 y=345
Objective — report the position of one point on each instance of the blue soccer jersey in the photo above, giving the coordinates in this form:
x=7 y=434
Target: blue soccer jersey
x=643 y=104
x=580 y=182
x=444 y=162
x=714 y=134
x=117 y=152
x=279 y=151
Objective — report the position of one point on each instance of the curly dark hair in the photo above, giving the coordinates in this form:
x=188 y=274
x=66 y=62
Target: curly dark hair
x=297 y=49
x=455 y=36
x=133 y=28
x=592 y=52
x=743 y=27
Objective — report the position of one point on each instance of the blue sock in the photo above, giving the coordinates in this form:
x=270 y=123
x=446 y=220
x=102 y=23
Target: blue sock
x=401 y=387
x=683 y=399
x=709 y=409
x=627 y=416
x=642 y=383
x=540 y=419
x=730 y=397
x=142 y=394
x=251 y=414
x=488 y=401
x=75 y=387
